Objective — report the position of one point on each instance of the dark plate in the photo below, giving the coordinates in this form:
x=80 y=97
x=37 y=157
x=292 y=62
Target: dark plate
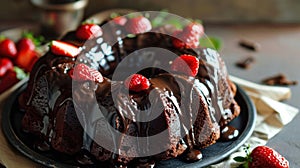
x=12 y=116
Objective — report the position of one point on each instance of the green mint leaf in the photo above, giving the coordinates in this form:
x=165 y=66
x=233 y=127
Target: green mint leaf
x=211 y=42
x=239 y=159
x=20 y=73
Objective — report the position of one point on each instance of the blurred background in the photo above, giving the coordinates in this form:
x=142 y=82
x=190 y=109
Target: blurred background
x=278 y=11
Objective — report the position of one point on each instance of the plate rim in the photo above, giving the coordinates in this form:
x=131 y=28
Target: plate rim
x=18 y=144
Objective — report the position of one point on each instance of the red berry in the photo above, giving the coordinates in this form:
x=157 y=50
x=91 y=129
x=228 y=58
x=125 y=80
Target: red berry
x=8 y=80
x=263 y=156
x=64 y=49
x=189 y=36
x=137 y=83
x=180 y=64
x=138 y=25
x=5 y=66
x=25 y=44
x=8 y=48
x=177 y=42
x=88 y=31
x=183 y=40
x=82 y=72
x=120 y=20
x=194 y=29
x=26 y=59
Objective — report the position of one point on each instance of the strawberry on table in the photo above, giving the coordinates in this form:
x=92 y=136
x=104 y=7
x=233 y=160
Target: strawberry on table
x=180 y=64
x=8 y=80
x=5 y=65
x=26 y=59
x=88 y=31
x=25 y=44
x=27 y=55
x=139 y=24
x=263 y=157
x=137 y=83
x=64 y=48
x=8 y=48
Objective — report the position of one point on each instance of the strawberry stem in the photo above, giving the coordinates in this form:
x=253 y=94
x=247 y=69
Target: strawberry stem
x=245 y=159
x=2 y=37
x=37 y=40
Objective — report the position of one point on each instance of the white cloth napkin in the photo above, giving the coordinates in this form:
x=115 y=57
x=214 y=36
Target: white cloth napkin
x=272 y=115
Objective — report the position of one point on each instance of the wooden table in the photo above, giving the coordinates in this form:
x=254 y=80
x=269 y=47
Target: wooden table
x=280 y=53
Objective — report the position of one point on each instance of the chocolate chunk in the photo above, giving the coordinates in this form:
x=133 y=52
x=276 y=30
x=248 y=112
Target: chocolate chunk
x=193 y=155
x=250 y=45
x=279 y=79
x=246 y=63
x=229 y=133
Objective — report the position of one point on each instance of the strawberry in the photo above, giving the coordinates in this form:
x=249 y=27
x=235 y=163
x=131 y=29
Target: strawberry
x=180 y=64
x=26 y=59
x=189 y=35
x=25 y=44
x=64 y=49
x=82 y=72
x=138 y=25
x=5 y=65
x=8 y=48
x=8 y=80
x=120 y=20
x=193 y=29
x=88 y=31
x=176 y=41
x=185 y=41
x=261 y=157
x=137 y=83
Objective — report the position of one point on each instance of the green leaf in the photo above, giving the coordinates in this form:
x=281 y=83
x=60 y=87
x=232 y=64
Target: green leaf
x=240 y=159
x=245 y=165
x=198 y=21
x=20 y=73
x=113 y=15
x=174 y=22
x=211 y=42
x=37 y=40
x=2 y=37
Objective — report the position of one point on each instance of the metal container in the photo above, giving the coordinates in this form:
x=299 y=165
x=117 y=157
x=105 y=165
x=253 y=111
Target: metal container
x=58 y=18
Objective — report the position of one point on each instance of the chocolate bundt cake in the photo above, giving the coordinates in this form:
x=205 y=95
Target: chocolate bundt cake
x=184 y=109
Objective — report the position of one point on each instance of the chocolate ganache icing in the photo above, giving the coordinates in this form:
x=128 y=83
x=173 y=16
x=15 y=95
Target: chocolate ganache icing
x=191 y=112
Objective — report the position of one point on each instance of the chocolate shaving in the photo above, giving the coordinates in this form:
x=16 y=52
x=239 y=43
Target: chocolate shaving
x=246 y=63
x=279 y=79
x=250 y=45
